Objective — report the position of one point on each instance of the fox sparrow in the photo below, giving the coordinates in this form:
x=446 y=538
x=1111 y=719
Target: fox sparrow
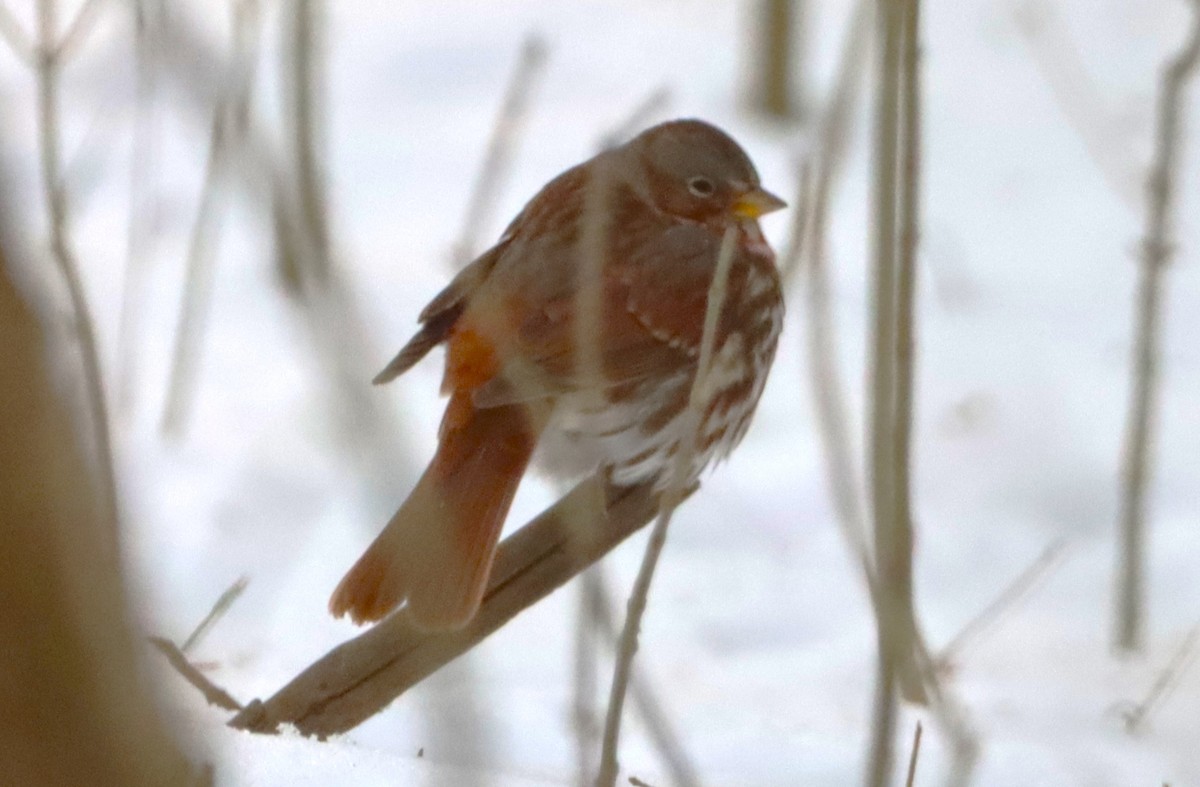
x=637 y=228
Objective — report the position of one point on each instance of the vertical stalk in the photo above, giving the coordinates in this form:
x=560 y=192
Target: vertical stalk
x=1129 y=635
x=50 y=159
x=893 y=251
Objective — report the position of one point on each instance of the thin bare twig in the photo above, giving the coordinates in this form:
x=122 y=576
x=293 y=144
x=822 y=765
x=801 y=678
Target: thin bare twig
x=214 y=694
x=658 y=726
x=989 y=616
x=1157 y=249
x=911 y=779
x=497 y=160
x=1136 y=716
x=691 y=424
x=222 y=605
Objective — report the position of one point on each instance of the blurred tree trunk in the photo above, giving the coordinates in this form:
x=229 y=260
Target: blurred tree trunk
x=778 y=54
x=75 y=708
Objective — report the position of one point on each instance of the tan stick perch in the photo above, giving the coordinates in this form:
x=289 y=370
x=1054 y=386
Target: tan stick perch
x=359 y=678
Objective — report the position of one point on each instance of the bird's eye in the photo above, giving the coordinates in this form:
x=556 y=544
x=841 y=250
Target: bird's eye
x=701 y=187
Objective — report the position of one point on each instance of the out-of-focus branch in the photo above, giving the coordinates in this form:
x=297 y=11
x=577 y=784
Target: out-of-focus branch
x=636 y=120
x=331 y=314
x=15 y=37
x=228 y=130
x=497 y=161
x=75 y=707
x=1157 y=248
x=79 y=29
x=361 y=677
x=143 y=157
x=50 y=156
x=308 y=266
x=690 y=425
x=777 y=49
x=892 y=535
x=1081 y=101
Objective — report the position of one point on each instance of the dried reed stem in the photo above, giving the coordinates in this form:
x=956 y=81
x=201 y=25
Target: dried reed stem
x=889 y=530
x=690 y=427
x=1157 y=249
x=893 y=251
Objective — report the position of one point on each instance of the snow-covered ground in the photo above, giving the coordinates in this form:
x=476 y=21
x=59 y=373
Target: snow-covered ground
x=759 y=638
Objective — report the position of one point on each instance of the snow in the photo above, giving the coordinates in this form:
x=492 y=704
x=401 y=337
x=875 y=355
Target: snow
x=759 y=637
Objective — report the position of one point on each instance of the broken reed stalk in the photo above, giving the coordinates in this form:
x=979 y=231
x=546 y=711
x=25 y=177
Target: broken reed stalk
x=213 y=694
x=506 y=131
x=672 y=496
x=1157 y=249
x=49 y=63
x=360 y=677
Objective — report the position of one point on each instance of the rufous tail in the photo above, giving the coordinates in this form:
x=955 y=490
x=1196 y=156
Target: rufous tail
x=436 y=552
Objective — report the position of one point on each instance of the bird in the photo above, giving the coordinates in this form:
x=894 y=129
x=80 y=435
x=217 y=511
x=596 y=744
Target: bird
x=576 y=337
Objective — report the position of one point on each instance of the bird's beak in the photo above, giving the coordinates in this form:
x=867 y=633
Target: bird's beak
x=756 y=202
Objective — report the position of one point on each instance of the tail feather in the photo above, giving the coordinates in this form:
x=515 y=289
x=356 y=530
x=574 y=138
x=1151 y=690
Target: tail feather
x=431 y=334
x=436 y=552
